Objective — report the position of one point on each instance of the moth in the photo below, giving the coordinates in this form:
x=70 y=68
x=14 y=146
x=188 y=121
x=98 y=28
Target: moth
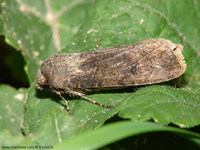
x=147 y=62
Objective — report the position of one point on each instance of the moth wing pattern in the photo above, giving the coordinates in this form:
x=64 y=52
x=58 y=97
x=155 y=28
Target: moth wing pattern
x=147 y=62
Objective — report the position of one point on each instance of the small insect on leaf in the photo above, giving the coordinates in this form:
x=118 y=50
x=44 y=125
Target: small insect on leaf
x=146 y=62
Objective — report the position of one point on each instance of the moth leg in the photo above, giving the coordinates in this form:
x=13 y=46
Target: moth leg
x=97 y=44
x=88 y=99
x=66 y=103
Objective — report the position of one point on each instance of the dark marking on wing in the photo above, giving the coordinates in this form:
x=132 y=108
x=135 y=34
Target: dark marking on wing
x=133 y=69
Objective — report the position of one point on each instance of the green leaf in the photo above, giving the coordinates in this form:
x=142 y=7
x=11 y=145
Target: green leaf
x=12 y=109
x=55 y=128
x=110 y=133
x=164 y=105
x=7 y=139
x=1 y=22
x=37 y=106
x=40 y=103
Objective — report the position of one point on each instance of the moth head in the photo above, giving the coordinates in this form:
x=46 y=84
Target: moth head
x=40 y=80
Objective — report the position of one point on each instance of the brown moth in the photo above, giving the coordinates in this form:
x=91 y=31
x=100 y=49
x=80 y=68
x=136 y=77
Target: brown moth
x=146 y=62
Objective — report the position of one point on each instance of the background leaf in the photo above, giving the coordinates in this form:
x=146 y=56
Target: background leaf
x=1 y=22
x=85 y=114
x=110 y=133
x=12 y=109
x=7 y=140
x=55 y=128
x=163 y=104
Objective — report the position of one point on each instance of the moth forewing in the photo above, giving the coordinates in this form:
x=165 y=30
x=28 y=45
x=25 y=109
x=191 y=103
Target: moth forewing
x=146 y=62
